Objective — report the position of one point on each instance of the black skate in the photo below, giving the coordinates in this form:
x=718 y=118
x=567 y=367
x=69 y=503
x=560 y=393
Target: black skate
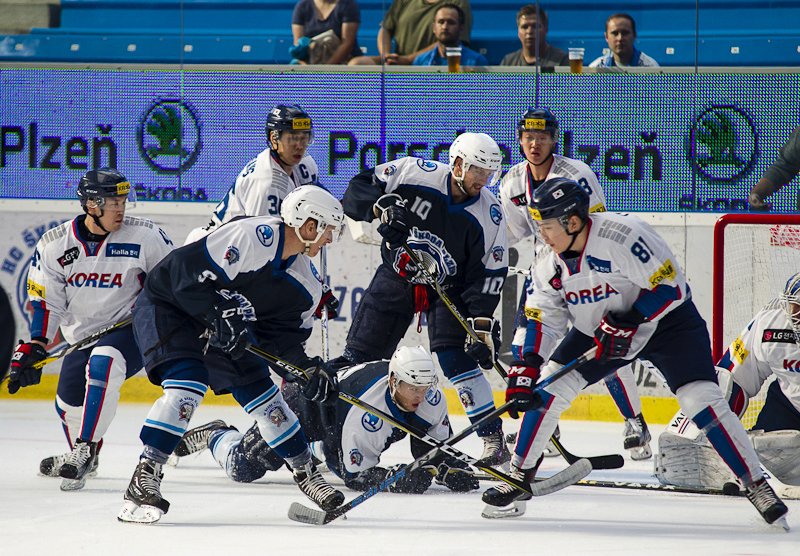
x=771 y=508
x=196 y=439
x=78 y=465
x=495 y=451
x=51 y=466
x=505 y=500
x=313 y=485
x=143 y=501
x=637 y=438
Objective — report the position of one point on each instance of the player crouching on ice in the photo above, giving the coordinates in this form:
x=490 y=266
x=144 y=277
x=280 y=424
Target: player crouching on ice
x=768 y=345
x=616 y=279
x=405 y=387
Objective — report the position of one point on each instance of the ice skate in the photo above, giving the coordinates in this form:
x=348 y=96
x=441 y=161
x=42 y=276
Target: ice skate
x=143 y=501
x=771 y=508
x=495 y=451
x=313 y=485
x=79 y=463
x=505 y=500
x=637 y=438
x=196 y=439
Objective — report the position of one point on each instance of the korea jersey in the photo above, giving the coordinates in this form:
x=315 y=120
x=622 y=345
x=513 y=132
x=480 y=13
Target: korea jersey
x=84 y=286
x=262 y=186
x=516 y=190
x=244 y=256
x=767 y=346
x=466 y=241
x=624 y=265
x=364 y=437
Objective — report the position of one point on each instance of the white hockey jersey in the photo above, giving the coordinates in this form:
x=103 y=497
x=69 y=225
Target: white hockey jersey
x=765 y=347
x=262 y=186
x=516 y=190
x=364 y=436
x=625 y=264
x=84 y=286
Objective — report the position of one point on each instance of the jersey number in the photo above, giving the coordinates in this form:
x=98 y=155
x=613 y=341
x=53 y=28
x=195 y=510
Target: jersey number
x=421 y=208
x=492 y=286
x=274 y=204
x=641 y=250
x=584 y=183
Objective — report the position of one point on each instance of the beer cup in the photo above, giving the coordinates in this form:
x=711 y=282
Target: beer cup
x=453 y=59
x=576 y=60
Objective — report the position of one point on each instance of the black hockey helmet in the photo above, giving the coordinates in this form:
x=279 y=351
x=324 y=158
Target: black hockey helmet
x=289 y=117
x=559 y=198
x=101 y=183
x=538 y=119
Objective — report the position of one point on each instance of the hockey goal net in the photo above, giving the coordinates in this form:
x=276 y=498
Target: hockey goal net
x=754 y=256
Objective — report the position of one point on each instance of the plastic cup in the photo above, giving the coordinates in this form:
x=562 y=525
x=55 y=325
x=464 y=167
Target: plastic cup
x=576 y=60
x=453 y=59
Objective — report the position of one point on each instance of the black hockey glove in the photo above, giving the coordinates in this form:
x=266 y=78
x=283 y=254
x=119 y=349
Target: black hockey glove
x=456 y=476
x=414 y=482
x=522 y=377
x=322 y=385
x=327 y=301
x=228 y=322
x=23 y=373
x=614 y=336
x=391 y=210
x=483 y=352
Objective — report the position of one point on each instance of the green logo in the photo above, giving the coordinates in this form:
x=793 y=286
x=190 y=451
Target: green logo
x=169 y=136
x=723 y=143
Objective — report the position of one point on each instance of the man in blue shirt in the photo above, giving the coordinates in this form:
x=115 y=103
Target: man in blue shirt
x=447 y=26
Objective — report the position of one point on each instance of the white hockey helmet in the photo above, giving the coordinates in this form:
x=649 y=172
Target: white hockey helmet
x=312 y=201
x=414 y=366
x=790 y=299
x=476 y=149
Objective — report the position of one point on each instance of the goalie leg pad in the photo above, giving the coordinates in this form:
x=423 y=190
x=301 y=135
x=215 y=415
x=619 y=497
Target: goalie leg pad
x=779 y=451
x=688 y=462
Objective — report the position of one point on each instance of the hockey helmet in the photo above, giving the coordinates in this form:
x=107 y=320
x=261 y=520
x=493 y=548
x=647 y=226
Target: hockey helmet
x=414 y=366
x=315 y=202
x=476 y=149
x=791 y=304
x=538 y=119
x=289 y=117
x=97 y=185
x=559 y=198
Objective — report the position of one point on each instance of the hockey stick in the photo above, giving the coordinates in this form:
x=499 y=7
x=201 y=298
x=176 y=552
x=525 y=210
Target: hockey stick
x=323 y=321
x=83 y=343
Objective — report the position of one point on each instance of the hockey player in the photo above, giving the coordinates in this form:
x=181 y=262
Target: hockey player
x=405 y=387
x=265 y=181
x=537 y=132
x=249 y=281
x=618 y=282
x=769 y=345
x=85 y=275
x=449 y=217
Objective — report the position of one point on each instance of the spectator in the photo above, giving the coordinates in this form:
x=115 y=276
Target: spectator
x=620 y=35
x=447 y=26
x=779 y=174
x=407 y=31
x=328 y=29
x=532 y=32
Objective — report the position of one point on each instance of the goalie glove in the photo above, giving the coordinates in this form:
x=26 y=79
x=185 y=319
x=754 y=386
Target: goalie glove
x=228 y=323
x=614 y=335
x=522 y=377
x=23 y=373
x=483 y=352
x=393 y=215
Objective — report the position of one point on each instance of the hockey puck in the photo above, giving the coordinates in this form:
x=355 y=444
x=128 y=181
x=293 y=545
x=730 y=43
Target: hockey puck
x=730 y=489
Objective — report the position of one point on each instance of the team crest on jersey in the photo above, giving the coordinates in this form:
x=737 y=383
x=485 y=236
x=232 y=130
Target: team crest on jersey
x=389 y=170
x=371 y=423
x=497 y=254
x=520 y=201
x=232 y=254
x=431 y=249
x=426 y=165
x=131 y=250
x=265 y=235
x=466 y=397
x=555 y=281
x=277 y=416
x=433 y=396
x=496 y=214
x=783 y=336
x=186 y=409
x=69 y=257
x=356 y=457
x=599 y=265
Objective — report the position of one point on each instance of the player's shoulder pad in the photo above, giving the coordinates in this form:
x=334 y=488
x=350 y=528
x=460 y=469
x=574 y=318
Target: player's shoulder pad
x=57 y=232
x=572 y=166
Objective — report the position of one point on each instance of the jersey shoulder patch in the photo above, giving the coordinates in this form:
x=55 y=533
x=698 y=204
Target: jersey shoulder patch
x=612 y=229
x=55 y=233
x=137 y=221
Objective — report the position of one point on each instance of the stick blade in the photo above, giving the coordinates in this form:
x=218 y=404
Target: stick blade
x=569 y=476
x=303 y=514
x=611 y=461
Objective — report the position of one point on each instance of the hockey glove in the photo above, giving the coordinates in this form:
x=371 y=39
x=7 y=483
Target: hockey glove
x=483 y=352
x=414 y=482
x=329 y=302
x=228 y=323
x=456 y=476
x=391 y=210
x=757 y=203
x=23 y=373
x=614 y=335
x=322 y=385
x=522 y=377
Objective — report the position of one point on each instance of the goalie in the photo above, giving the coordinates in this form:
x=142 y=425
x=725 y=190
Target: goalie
x=770 y=344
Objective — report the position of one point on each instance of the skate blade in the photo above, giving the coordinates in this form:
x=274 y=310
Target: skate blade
x=782 y=523
x=131 y=513
x=641 y=453
x=173 y=460
x=515 y=509
x=68 y=485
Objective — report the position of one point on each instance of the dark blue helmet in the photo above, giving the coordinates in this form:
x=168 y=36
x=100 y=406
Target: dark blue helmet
x=538 y=119
x=559 y=198
x=101 y=183
x=288 y=118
